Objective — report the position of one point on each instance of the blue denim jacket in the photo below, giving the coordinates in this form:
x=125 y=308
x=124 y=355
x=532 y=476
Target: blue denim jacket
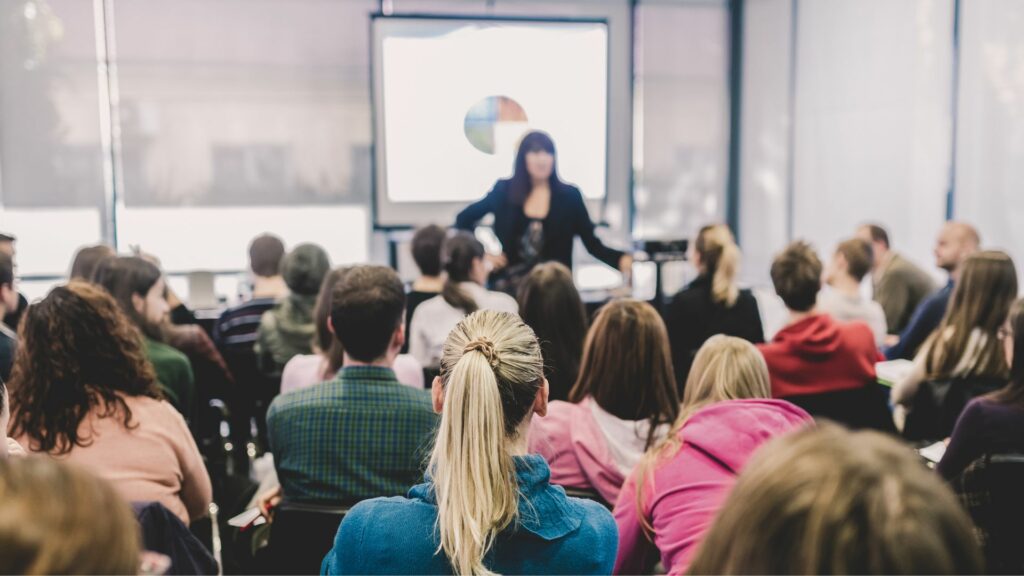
x=555 y=534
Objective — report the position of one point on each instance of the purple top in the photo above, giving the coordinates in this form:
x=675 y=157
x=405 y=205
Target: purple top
x=985 y=427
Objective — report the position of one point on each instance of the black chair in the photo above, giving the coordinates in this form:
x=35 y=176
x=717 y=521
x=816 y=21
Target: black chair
x=586 y=494
x=165 y=533
x=938 y=404
x=990 y=489
x=300 y=536
x=859 y=408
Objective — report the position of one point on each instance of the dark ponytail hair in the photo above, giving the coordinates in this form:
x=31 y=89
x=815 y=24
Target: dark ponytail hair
x=520 y=185
x=460 y=251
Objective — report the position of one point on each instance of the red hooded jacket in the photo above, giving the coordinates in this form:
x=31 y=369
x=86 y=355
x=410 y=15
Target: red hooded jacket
x=818 y=354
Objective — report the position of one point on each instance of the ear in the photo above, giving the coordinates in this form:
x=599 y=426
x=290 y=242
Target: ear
x=540 y=403
x=139 y=303
x=330 y=326
x=398 y=338
x=437 y=395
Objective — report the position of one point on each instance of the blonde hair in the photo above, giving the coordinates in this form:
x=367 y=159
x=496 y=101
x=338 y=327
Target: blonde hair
x=60 y=519
x=721 y=259
x=491 y=371
x=725 y=368
x=827 y=501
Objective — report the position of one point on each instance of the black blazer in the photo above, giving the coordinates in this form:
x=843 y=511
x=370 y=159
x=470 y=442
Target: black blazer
x=566 y=219
x=692 y=317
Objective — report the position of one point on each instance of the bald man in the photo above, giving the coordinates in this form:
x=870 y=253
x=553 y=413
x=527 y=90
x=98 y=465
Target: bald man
x=957 y=241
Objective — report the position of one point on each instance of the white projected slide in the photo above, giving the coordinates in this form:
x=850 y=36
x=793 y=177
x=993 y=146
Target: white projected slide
x=454 y=96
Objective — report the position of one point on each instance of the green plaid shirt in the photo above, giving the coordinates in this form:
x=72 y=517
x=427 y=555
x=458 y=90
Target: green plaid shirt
x=359 y=436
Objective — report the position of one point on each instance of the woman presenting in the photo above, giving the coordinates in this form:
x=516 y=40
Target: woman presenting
x=537 y=216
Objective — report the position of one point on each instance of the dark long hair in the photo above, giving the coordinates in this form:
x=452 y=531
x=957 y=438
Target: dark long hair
x=520 y=185
x=1013 y=393
x=87 y=259
x=550 y=304
x=330 y=346
x=459 y=253
x=77 y=353
x=125 y=276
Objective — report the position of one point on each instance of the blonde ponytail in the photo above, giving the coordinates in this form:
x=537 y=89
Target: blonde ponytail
x=491 y=370
x=721 y=258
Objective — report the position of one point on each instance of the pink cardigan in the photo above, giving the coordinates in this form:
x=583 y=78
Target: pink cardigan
x=688 y=489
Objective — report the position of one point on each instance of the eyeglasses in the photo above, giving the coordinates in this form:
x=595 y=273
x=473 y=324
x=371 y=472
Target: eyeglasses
x=1005 y=333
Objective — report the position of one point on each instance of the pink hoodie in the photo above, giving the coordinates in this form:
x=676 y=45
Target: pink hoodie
x=688 y=489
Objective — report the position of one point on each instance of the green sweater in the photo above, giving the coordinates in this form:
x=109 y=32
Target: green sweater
x=174 y=372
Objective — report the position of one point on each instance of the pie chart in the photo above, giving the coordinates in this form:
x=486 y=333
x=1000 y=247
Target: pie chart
x=493 y=120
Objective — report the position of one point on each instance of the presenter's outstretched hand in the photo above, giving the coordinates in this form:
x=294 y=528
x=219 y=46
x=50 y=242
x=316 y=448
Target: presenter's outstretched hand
x=626 y=268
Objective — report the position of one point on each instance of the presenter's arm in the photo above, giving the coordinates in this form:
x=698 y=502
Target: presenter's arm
x=584 y=228
x=470 y=215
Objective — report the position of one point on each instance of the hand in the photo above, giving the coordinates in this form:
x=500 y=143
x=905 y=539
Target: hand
x=891 y=340
x=269 y=500
x=626 y=268
x=497 y=261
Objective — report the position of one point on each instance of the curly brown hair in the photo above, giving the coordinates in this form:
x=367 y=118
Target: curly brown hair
x=78 y=353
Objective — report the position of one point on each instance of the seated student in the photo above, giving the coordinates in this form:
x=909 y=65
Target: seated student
x=237 y=326
x=966 y=343
x=487 y=505
x=362 y=434
x=813 y=353
x=82 y=391
x=956 y=242
x=726 y=415
x=843 y=301
x=623 y=403
x=8 y=301
x=8 y=446
x=463 y=293
x=550 y=304
x=827 y=501
x=286 y=330
x=899 y=284
x=87 y=259
x=59 y=519
x=426 y=252
x=323 y=364
x=138 y=287
x=711 y=304
x=994 y=423
x=13 y=315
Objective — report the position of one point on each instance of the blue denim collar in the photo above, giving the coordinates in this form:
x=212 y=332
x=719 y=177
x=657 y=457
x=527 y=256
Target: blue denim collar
x=544 y=509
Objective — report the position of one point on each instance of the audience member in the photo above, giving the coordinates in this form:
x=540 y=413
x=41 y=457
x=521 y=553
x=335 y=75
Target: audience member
x=711 y=304
x=59 y=519
x=362 y=434
x=235 y=330
x=956 y=242
x=843 y=301
x=899 y=285
x=487 y=506
x=12 y=315
x=623 y=403
x=83 y=391
x=8 y=446
x=550 y=304
x=138 y=287
x=966 y=343
x=83 y=267
x=8 y=301
x=463 y=293
x=813 y=353
x=305 y=370
x=727 y=414
x=994 y=423
x=287 y=329
x=828 y=501
x=426 y=252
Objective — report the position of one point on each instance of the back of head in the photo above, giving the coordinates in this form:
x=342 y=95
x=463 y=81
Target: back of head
x=491 y=372
x=720 y=258
x=627 y=365
x=796 y=274
x=87 y=259
x=829 y=501
x=304 y=269
x=956 y=242
x=981 y=301
x=266 y=252
x=550 y=304
x=59 y=519
x=875 y=234
x=6 y=269
x=460 y=253
x=858 y=255
x=328 y=345
x=77 y=353
x=367 y=307
x=1014 y=392
x=125 y=276
x=426 y=249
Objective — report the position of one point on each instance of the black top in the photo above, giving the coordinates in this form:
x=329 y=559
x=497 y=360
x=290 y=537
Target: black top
x=13 y=317
x=566 y=219
x=412 y=300
x=692 y=317
x=8 y=344
x=985 y=427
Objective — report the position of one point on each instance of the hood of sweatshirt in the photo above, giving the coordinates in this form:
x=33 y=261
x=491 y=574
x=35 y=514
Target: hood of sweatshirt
x=730 y=431
x=813 y=337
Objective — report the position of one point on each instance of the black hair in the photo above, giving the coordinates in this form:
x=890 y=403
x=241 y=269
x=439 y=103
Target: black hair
x=426 y=249
x=460 y=251
x=520 y=185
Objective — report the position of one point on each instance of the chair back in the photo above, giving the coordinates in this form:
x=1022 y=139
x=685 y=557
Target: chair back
x=938 y=404
x=300 y=536
x=587 y=494
x=992 y=491
x=859 y=408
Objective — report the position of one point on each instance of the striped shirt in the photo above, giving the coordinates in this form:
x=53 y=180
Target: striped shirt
x=359 y=436
x=237 y=326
